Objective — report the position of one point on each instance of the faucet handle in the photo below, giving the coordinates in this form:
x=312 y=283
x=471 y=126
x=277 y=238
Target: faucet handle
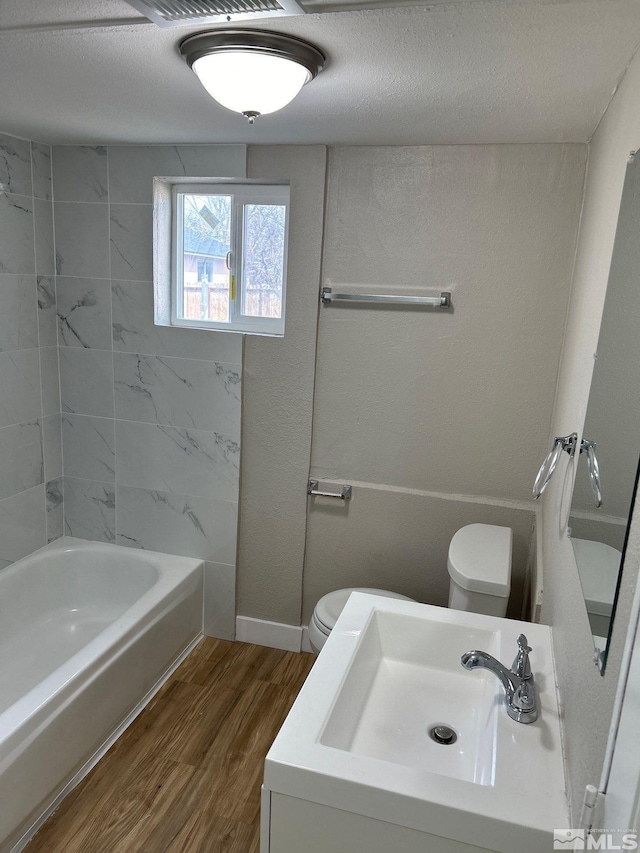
x=523 y=643
x=521 y=665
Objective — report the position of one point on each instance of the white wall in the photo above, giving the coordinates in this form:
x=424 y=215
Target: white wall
x=439 y=418
x=586 y=697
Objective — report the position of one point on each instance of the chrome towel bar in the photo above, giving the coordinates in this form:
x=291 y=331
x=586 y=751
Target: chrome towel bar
x=327 y=296
x=344 y=495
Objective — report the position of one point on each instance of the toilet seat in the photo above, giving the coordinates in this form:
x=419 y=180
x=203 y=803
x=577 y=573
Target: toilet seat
x=331 y=605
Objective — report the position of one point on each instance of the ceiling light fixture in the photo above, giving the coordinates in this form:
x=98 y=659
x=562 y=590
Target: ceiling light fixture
x=252 y=72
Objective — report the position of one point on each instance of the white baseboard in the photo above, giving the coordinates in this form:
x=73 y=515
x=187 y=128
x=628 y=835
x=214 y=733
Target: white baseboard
x=306 y=644
x=276 y=635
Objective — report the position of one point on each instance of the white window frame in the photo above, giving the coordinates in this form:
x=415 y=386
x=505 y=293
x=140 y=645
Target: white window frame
x=241 y=195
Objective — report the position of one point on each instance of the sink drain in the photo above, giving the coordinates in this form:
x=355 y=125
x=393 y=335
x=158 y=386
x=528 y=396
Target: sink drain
x=443 y=734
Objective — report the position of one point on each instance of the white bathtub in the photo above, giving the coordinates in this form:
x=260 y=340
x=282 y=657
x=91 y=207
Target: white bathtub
x=87 y=632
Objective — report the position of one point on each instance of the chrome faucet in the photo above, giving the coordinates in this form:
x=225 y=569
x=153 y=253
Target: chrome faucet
x=518 y=683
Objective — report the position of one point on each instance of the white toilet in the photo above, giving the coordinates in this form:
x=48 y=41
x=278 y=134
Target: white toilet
x=479 y=566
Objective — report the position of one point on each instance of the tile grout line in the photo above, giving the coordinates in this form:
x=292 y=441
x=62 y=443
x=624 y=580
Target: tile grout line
x=35 y=295
x=55 y=302
x=17 y=495
x=143 y=489
x=133 y=421
x=113 y=363
x=161 y=357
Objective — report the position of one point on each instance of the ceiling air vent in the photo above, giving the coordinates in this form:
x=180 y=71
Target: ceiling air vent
x=183 y=13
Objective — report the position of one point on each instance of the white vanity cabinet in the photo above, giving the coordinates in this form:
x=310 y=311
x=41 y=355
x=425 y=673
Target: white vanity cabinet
x=296 y=825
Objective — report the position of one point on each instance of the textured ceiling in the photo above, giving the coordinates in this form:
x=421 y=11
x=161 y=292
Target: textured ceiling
x=447 y=73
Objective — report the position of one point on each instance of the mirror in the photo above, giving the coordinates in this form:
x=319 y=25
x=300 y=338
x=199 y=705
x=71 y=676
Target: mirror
x=612 y=424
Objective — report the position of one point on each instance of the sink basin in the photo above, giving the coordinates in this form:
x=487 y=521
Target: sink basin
x=357 y=738
x=406 y=679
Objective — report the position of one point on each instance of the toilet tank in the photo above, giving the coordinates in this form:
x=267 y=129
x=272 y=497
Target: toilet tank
x=598 y=567
x=479 y=567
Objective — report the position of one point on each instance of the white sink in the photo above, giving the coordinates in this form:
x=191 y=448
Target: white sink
x=357 y=737
x=405 y=679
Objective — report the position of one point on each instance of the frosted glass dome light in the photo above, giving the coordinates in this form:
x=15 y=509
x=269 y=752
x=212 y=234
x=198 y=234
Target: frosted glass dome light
x=251 y=82
x=252 y=72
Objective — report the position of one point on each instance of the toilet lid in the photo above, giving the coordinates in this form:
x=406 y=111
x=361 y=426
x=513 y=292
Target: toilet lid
x=480 y=559
x=332 y=604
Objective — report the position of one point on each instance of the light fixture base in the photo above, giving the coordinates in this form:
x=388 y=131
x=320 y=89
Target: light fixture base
x=233 y=39
x=251 y=115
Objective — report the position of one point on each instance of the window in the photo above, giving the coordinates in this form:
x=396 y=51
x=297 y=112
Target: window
x=229 y=256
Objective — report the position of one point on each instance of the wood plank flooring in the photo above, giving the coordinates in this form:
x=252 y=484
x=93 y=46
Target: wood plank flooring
x=185 y=776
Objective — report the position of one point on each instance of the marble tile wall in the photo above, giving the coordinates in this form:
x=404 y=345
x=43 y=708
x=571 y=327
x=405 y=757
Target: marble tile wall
x=150 y=415
x=31 y=510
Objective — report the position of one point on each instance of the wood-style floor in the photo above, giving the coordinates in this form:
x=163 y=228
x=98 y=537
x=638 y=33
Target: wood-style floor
x=185 y=776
